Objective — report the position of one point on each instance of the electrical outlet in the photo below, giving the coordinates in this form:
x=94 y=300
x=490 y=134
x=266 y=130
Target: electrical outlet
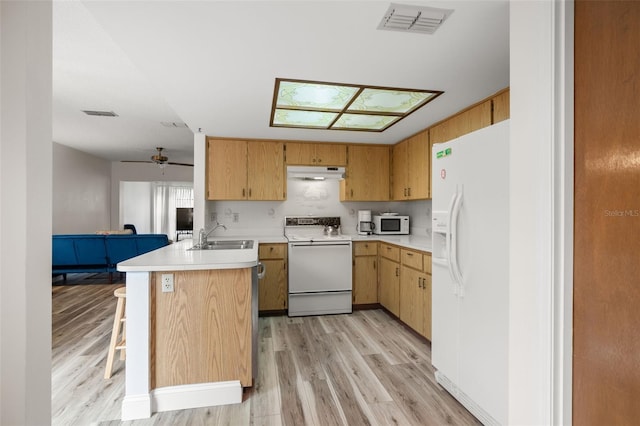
x=236 y=217
x=167 y=283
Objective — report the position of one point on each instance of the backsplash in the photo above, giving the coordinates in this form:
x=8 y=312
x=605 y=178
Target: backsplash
x=315 y=198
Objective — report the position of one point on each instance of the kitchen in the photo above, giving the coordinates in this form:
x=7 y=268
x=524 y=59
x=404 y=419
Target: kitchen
x=312 y=236
x=523 y=363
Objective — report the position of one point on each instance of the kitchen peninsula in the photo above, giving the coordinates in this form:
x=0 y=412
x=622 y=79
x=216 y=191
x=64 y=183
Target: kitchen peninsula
x=191 y=327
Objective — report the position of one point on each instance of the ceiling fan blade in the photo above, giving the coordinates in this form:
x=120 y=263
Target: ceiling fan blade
x=135 y=161
x=180 y=164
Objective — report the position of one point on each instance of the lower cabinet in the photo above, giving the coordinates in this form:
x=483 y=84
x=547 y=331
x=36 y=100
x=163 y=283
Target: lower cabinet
x=365 y=273
x=415 y=291
x=272 y=289
x=389 y=279
x=404 y=286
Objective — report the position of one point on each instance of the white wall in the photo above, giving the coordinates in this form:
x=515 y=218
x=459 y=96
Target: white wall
x=318 y=198
x=141 y=172
x=25 y=212
x=81 y=191
x=540 y=212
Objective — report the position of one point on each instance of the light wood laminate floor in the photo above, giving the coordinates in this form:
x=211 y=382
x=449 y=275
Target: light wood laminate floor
x=358 y=369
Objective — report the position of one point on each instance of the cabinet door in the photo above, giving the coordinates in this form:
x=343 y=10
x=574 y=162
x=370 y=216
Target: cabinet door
x=389 y=285
x=426 y=301
x=226 y=169
x=330 y=154
x=273 y=287
x=411 y=298
x=265 y=163
x=501 y=108
x=302 y=154
x=400 y=171
x=367 y=174
x=365 y=280
x=419 y=167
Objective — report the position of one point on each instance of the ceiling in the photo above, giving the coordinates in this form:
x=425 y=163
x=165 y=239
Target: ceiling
x=213 y=64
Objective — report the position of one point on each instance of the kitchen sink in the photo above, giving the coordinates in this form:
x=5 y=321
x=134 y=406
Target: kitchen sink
x=225 y=245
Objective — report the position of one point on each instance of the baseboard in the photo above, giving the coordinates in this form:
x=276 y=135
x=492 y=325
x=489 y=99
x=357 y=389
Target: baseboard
x=136 y=407
x=196 y=396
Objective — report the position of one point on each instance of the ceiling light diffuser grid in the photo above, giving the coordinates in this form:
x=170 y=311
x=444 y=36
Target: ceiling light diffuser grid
x=337 y=106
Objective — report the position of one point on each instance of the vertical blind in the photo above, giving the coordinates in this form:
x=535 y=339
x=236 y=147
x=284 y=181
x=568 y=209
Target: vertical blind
x=166 y=198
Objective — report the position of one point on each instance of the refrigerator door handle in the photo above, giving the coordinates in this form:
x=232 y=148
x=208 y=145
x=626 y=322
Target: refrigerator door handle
x=455 y=265
x=448 y=252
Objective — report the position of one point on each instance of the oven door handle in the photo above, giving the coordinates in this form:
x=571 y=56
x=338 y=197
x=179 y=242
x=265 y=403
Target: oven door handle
x=318 y=243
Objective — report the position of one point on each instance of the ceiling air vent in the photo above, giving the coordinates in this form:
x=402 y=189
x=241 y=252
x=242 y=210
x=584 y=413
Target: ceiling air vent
x=413 y=19
x=100 y=113
x=173 y=124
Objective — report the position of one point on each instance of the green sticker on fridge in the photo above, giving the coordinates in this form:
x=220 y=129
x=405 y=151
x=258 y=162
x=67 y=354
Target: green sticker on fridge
x=443 y=153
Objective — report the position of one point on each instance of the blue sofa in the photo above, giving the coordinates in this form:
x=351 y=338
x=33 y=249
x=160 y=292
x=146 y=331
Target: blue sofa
x=99 y=253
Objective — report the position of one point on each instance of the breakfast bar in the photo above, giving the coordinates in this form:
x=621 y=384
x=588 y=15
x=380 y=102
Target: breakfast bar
x=191 y=318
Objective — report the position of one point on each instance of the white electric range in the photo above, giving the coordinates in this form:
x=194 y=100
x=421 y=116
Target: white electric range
x=320 y=278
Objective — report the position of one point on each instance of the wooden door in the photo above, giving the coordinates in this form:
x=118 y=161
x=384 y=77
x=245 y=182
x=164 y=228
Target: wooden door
x=411 y=298
x=265 y=171
x=501 y=107
x=367 y=174
x=389 y=285
x=400 y=171
x=606 y=310
x=329 y=154
x=273 y=287
x=301 y=153
x=226 y=169
x=426 y=306
x=419 y=166
x=365 y=284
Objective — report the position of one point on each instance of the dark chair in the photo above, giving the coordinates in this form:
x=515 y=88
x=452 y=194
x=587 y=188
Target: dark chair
x=132 y=227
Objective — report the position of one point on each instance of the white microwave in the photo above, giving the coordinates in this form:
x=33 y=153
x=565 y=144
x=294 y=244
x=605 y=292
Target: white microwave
x=391 y=225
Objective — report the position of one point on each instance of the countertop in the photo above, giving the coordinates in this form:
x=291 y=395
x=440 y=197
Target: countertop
x=408 y=241
x=177 y=257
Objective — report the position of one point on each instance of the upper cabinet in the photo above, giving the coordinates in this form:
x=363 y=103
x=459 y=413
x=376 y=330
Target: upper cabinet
x=411 y=170
x=245 y=170
x=501 y=106
x=367 y=174
x=316 y=154
x=460 y=124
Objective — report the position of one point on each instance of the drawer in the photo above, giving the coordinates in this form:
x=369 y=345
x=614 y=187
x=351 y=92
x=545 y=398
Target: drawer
x=390 y=252
x=427 y=263
x=272 y=251
x=412 y=259
x=365 y=249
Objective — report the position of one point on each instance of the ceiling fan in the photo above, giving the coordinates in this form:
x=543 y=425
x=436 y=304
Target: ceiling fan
x=159 y=159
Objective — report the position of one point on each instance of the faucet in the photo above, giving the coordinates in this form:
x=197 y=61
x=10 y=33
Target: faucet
x=202 y=237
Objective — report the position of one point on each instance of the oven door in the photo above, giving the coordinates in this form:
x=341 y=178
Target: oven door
x=319 y=267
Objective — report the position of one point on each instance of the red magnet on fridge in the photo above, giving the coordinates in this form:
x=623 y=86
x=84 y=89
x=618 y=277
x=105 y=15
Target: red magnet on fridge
x=443 y=174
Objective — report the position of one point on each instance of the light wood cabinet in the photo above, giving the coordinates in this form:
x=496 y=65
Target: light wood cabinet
x=389 y=279
x=365 y=272
x=474 y=118
x=185 y=348
x=415 y=291
x=272 y=289
x=411 y=171
x=316 y=154
x=501 y=107
x=245 y=170
x=367 y=174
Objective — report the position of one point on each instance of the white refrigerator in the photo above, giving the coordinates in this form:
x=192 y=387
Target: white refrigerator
x=471 y=270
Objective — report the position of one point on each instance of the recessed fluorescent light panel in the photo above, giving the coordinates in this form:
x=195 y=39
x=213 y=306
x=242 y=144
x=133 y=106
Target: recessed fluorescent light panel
x=336 y=106
x=413 y=19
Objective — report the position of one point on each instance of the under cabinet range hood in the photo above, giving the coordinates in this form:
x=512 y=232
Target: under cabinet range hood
x=315 y=172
